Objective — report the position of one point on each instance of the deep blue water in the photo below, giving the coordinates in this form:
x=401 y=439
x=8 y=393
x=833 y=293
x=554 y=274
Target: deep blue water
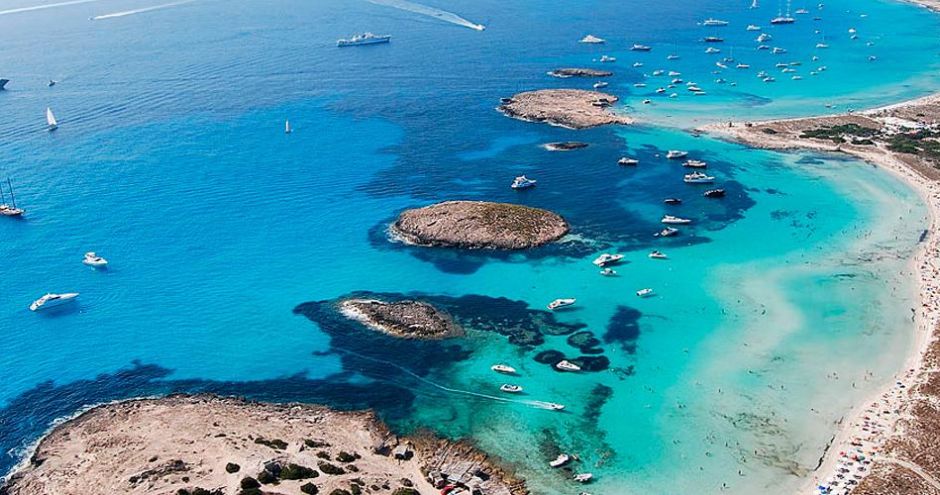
x=171 y=161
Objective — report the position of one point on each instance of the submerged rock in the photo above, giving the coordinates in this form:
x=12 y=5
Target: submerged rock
x=405 y=319
x=565 y=145
x=572 y=108
x=479 y=225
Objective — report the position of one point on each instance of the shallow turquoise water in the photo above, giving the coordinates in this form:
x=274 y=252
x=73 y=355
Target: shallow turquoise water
x=171 y=162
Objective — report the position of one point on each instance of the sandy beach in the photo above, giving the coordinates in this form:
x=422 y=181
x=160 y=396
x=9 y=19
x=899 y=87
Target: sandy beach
x=877 y=448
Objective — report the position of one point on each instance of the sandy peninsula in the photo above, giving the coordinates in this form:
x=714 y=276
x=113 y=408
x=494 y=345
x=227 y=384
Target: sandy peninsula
x=571 y=108
x=403 y=319
x=887 y=445
x=207 y=445
x=479 y=225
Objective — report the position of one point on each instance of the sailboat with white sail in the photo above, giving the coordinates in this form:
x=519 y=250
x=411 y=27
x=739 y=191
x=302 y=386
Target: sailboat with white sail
x=287 y=128
x=51 y=122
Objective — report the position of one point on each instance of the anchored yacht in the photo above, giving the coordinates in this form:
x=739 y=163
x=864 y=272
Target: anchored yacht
x=560 y=303
x=52 y=300
x=364 y=39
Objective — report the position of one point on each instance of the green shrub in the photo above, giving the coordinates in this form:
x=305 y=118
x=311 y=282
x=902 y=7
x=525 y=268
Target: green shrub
x=296 y=472
x=344 y=456
x=309 y=489
x=276 y=444
x=328 y=468
x=249 y=482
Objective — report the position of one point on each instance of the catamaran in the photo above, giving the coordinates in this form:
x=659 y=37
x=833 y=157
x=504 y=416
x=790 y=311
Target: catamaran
x=50 y=120
x=9 y=210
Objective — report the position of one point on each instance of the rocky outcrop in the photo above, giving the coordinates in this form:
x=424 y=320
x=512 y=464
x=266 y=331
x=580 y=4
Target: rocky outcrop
x=579 y=72
x=479 y=225
x=571 y=108
x=404 y=319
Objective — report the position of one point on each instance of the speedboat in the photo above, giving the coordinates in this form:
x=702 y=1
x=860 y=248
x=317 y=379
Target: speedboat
x=674 y=73
x=510 y=389
x=822 y=45
x=676 y=154
x=743 y=66
x=364 y=39
x=608 y=272
x=712 y=49
x=607 y=259
x=667 y=232
x=714 y=22
x=560 y=461
x=658 y=72
x=672 y=201
x=638 y=64
x=554 y=406
x=713 y=39
x=560 y=303
x=52 y=300
x=592 y=39
x=640 y=48
x=657 y=255
x=644 y=292
x=715 y=193
x=606 y=58
x=93 y=260
x=695 y=164
x=503 y=368
x=763 y=37
x=584 y=477
x=753 y=27
x=777 y=50
x=600 y=84
x=628 y=161
x=698 y=178
x=660 y=90
x=523 y=182
x=669 y=219
x=565 y=365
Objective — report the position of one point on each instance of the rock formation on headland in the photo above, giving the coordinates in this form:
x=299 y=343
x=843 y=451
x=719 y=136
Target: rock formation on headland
x=572 y=108
x=208 y=445
x=406 y=319
x=479 y=225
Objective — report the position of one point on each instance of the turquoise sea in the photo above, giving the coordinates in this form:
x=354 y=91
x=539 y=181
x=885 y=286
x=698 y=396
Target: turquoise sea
x=782 y=305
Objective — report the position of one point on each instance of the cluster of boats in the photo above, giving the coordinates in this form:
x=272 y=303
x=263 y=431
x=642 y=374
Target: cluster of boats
x=511 y=388
x=52 y=300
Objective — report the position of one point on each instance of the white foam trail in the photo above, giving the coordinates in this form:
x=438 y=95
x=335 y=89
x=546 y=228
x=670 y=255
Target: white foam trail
x=139 y=11
x=44 y=6
x=429 y=11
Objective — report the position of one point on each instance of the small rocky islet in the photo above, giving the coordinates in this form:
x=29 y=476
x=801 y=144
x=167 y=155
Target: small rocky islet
x=567 y=72
x=571 y=108
x=479 y=225
x=408 y=319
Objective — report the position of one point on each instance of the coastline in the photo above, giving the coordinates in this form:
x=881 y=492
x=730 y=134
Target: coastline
x=878 y=419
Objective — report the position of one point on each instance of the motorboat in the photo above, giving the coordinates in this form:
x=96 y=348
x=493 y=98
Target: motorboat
x=644 y=292
x=698 y=178
x=639 y=85
x=713 y=39
x=657 y=255
x=364 y=39
x=523 y=182
x=712 y=49
x=672 y=201
x=510 y=388
x=606 y=59
x=673 y=220
x=93 y=260
x=763 y=47
x=769 y=79
x=52 y=300
x=660 y=90
x=560 y=303
x=753 y=27
x=782 y=20
x=565 y=365
x=676 y=154
x=714 y=193
x=637 y=64
x=560 y=461
x=640 y=48
x=763 y=38
x=822 y=45
x=667 y=232
x=777 y=50
x=583 y=477
x=801 y=11
x=607 y=259
x=672 y=56
x=52 y=82
x=591 y=39
x=628 y=161
x=601 y=84
x=3 y=84
x=554 y=406
x=503 y=368
x=608 y=272
x=695 y=164
x=674 y=73
x=712 y=22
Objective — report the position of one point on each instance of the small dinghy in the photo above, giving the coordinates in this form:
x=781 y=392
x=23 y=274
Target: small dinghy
x=608 y=272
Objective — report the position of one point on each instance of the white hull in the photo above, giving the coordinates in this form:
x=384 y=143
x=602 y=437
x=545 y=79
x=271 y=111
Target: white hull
x=46 y=301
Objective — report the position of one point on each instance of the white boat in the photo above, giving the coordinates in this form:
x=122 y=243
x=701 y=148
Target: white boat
x=9 y=210
x=657 y=255
x=364 y=39
x=584 y=477
x=658 y=72
x=644 y=292
x=782 y=20
x=695 y=164
x=607 y=259
x=628 y=161
x=672 y=220
x=93 y=260
x=591 y=39
x=667 y=232
x=287 y=129
x=638 y=64
x=674 y=73
x=561 y=303
x=753 y=27
x=606 y=58
x=639 y=85
x=698 y=178
x=714 y=22
x=822 y=46
x=510 y=388
x=676 y=154
x=554 y=406
x=763 y=37
x=640 y=48
x=672 y=56
x=503 y=368
x=51 y=122
x=608 y=272
x=565 y=365
x=600 y=84
x=801 y=11
x=52 y=300
x=712 y=49
x=660 y=90
x=523 y=182
x=560 y=461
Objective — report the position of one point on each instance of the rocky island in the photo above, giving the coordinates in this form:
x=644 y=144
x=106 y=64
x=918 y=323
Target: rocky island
x=404 y=319
x=479 y=225
x=579 y=72
x=571 y=108
x=208 y=445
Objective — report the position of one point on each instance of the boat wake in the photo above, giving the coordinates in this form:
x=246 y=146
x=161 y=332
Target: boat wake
x=44 y=6
x=140 y=11
x=531 y=403
x=417 y=8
